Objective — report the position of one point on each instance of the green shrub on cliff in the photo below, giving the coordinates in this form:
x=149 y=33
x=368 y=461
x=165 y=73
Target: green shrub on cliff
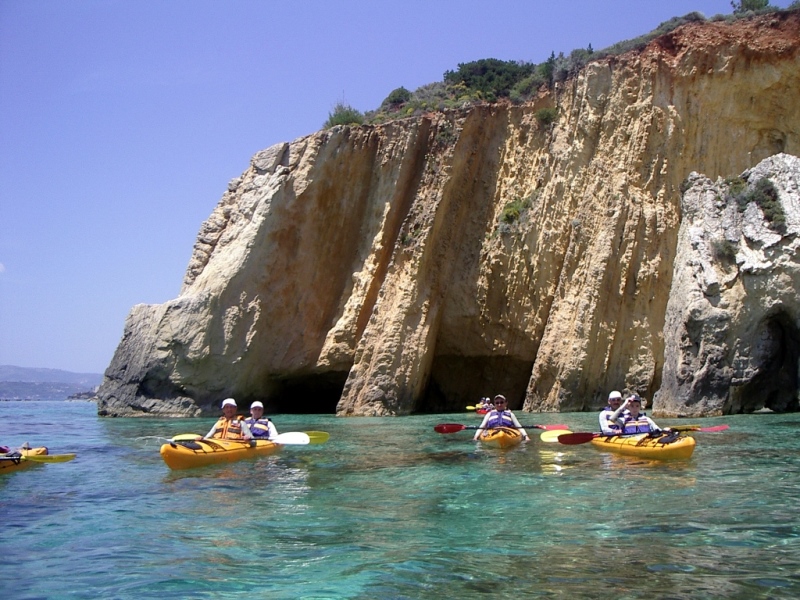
x=493 y=78
x=515 y=209
x=343 y=114
x=547 y=116
x=748 y=5
x=764 y=194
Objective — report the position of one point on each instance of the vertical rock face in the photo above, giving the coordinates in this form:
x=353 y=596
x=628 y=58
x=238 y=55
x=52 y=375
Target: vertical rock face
x=421 y=264
x=733 y=318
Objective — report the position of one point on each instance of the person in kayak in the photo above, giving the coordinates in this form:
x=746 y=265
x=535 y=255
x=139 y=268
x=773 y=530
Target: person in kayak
x=229 y=426
x=631 y=420
x=500 y=416
x=261 y=427
x=608 y=423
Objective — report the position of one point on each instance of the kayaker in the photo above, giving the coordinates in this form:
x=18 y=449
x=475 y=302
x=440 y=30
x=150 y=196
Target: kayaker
x=633 y=421
x=229 y=426
x=500 y=416
x=608 y=424
x=261 y=427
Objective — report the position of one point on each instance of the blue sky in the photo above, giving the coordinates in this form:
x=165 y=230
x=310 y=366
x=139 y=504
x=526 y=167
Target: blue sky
x=122 y=121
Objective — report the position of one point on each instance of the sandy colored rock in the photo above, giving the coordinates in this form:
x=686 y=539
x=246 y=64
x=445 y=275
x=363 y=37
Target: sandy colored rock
x=382 y=270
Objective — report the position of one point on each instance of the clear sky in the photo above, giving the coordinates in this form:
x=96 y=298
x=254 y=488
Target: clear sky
x=122 y=121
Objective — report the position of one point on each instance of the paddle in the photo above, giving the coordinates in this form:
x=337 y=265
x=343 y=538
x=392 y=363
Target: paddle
x=577 y=438
x=456 y=427
x=293 y=438
x=318 y=437
x=44 y=458
x=698 y=428
x=552 y=436
x=582 y=438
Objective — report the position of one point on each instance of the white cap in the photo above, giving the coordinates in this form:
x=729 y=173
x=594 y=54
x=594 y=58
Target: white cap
x=256 y=404
x=614 y=394
x=227 y=401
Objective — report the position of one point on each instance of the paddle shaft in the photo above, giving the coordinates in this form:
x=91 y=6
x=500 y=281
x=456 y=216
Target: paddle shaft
x=44 y=458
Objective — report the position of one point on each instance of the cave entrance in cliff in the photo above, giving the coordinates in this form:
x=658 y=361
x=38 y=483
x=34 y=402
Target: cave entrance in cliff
x=459 y=381
x=309 y=394
x=777 y=357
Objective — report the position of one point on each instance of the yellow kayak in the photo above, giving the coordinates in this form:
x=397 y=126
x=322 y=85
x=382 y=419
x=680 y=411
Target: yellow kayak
x=186 y=454
x=501 y=437
x=9 y=464
x=643 y=446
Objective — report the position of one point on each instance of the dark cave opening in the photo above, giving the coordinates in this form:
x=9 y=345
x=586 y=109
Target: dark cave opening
x=460 y=381
x=307 y=394
x=777 y=357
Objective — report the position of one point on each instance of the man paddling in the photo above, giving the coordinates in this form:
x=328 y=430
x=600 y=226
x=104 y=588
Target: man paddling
x=500 y=416
x=608 y=424
x=229 y=426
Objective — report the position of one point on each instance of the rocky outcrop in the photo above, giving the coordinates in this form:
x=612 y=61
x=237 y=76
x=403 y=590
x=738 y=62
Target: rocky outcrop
x=418 y=265
x=733 y=318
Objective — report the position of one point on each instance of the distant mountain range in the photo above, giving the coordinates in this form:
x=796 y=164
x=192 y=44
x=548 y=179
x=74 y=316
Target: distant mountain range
x=22 y=383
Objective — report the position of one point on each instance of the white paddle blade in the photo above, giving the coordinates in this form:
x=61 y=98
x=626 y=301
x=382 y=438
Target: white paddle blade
x=295 y=438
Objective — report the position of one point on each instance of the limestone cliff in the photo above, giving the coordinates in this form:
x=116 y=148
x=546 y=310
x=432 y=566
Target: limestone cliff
x=733 y=318
x=418 y=265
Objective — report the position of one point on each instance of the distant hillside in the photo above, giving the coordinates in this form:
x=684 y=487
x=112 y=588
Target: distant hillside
x=21 y=383
x=29 y=375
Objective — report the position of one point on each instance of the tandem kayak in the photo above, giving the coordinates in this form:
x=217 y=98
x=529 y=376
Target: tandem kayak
x=188 y=454
x=13 y=461
x=501 y=437
x=663 y=447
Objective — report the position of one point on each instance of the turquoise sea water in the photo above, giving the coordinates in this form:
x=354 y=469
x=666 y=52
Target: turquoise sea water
x=387 y=508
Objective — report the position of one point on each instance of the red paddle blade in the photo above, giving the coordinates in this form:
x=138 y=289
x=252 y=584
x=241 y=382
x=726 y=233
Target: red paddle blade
x=715 y=428
x=449 y=427
x=576 y=438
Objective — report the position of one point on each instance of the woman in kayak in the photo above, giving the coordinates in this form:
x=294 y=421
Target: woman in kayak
x=632 y=420
x=229 y=426
x=261 y=427
x=500 y=416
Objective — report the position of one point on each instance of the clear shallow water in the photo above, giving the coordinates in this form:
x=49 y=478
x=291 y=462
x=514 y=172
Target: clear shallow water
x=388 y=508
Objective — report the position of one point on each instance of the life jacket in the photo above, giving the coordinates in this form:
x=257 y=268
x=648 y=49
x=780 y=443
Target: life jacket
x=228 y=430
x=258 y=427
x=500 y=419
x=639 y=425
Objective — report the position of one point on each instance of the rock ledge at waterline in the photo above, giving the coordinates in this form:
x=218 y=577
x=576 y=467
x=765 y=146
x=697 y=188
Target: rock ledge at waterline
x=378 y=270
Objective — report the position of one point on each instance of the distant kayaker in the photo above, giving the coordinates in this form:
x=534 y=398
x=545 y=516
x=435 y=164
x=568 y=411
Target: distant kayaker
x=500 y=416
x=261 y=426
x=632 y=420
x=608 y=423
x=229 y=426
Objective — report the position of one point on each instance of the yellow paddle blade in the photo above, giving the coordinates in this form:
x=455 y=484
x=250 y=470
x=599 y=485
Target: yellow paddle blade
x=552 y=435
x=49 y=458
x=318 y=437
x=472 y=407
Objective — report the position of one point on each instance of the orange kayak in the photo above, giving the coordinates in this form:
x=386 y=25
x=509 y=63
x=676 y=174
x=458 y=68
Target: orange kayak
x=9 y=464
x=644 y=446
x=201 y=453
x=501 y=437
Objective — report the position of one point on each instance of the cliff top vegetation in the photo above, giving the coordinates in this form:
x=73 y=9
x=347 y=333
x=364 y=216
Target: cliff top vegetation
x=492 y=80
